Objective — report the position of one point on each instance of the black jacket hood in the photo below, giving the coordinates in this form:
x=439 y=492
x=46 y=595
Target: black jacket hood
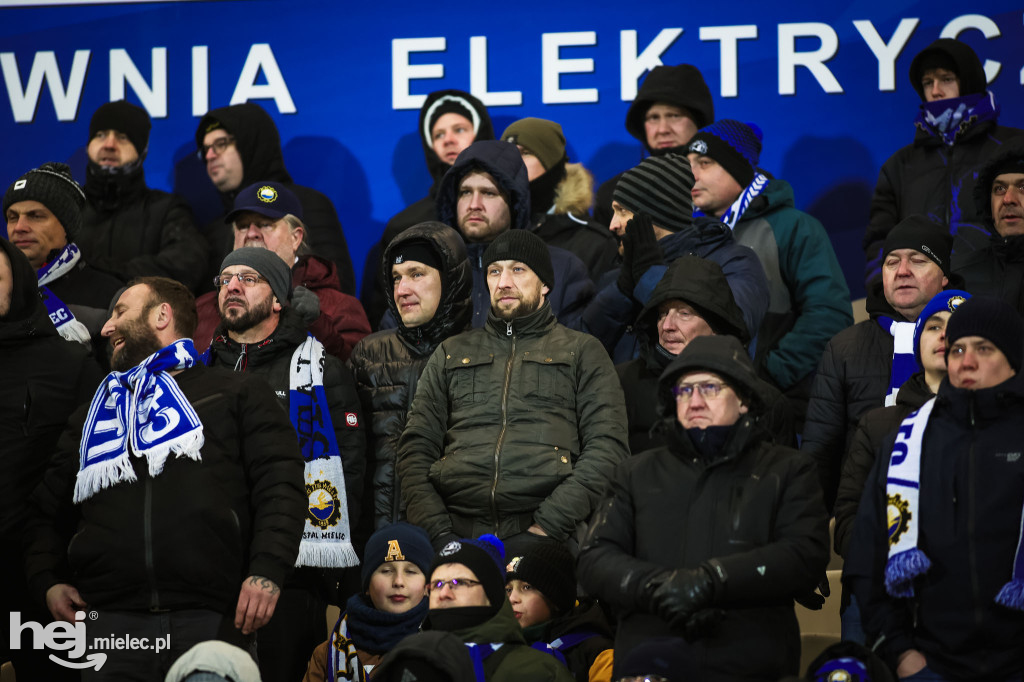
x=455 y=311
x=726 y=357
x=504 y=163
x=682 y=85
x=25 y=301
x=484 y=131
x=1009 y=159
x=256 y=139
x=968 y=67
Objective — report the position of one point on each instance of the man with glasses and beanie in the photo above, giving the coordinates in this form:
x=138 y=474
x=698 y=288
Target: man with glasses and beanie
x=748 y=514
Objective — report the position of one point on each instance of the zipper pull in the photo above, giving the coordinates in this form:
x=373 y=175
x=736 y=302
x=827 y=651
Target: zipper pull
x=508 y=331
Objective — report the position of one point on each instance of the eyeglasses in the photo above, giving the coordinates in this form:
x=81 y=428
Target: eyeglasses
x=643 y=678
x=219 y=145
x=454 y=583
x=249 y=279
x=708 y=390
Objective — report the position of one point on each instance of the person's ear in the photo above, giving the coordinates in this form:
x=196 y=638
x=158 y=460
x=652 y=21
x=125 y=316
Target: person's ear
x=744 y=409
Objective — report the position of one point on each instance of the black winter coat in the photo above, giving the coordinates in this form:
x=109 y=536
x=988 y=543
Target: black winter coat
x=189 y=536
x=969 y=516
x=586 y=618
x=996 y=270
x=755 y=508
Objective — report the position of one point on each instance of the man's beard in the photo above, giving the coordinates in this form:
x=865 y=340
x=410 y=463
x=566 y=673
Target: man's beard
x=140 y=342
x=526 y=306
x=249 y=318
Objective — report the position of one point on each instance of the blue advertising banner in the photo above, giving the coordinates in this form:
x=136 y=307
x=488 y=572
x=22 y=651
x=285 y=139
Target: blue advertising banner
x=827 y=84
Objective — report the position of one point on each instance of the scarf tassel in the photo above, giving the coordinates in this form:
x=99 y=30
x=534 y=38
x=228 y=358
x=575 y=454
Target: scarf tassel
x=96 y=477
x=1012 y=595
x=187 y=445
x=901 y=571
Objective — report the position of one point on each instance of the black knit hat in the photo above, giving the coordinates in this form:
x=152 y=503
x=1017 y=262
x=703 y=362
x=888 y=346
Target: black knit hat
x=990 y=318
x=399 y=541
x=920 y=234
x=736 y=146
x=485 y=556
x=268 y=264
x=660 y=187
x=525 y=247
x=419 y=250
x=550 y=568
x=126 y=118
x=450 y=103
x=52 y=186
x=682 y=86
x=542 y=137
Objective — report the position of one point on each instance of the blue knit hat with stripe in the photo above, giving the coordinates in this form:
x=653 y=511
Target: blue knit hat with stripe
x=734 y=145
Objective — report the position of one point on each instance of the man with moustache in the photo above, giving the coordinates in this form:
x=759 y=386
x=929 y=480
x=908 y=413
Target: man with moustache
x=262 y=334
x=515 y=426
x=187 y=497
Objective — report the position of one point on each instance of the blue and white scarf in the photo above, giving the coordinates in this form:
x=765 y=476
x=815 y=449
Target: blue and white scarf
x=66 y=324
x=742 y=203
x=326 y=538
x=904 y=364
x=141 y=412
x=948 y=119
x=906 y=560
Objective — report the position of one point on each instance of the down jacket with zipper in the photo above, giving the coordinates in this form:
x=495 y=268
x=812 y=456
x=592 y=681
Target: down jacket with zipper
x=516 y=423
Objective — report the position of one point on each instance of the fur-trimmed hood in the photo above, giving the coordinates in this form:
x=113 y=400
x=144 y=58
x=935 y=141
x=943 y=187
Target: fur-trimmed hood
x=575 y=193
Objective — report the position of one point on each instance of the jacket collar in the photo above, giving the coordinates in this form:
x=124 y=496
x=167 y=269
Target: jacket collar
x=537 y=323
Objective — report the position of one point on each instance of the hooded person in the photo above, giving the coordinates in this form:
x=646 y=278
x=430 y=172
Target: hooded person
x=561 y=194
x=240 y=146
x=956 y=131
x=681 y=103
x=43 y=378
x=450 y=120
x=44 y=215
x=425 y=265
x=129 y=230
x=750 y=531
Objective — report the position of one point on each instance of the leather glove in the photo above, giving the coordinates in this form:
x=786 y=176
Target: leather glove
x=813 y=600
x=682 y=593
x=704 y=623
x=306 y=304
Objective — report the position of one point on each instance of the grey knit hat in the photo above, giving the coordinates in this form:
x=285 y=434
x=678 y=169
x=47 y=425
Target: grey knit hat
x=660 y=187
x=268 y=264
x=52 y=186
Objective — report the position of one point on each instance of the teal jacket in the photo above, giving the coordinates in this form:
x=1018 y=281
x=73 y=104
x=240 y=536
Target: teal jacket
x=810 y=302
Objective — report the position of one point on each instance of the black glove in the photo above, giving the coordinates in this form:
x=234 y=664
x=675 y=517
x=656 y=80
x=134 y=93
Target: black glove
x=704 y=623
x=640 y=251
x=682 y=593
x=812 y=600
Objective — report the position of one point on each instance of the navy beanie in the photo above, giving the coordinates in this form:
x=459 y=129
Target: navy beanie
x=944 y=301
x=399 y=541
x=736 y=146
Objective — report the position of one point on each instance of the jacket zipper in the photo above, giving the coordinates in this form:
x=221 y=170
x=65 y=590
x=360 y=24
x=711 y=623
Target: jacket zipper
x=504 y=426
x=971 y=516
x=147 y=534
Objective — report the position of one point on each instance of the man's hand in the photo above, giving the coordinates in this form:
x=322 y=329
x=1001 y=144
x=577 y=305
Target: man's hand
x=681 y=593
x=63 y=600
x=536 y=530
x=256 y=603
x=910 y=662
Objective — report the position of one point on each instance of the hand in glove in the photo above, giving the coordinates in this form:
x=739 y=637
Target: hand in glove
x=682 y=593
x=812 y=600
x=704 y=623
x=640 y=251
x=306 y=304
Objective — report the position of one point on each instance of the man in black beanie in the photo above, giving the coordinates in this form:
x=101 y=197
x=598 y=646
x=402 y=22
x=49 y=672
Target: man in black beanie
x=515 y=426
x=44 y=214
x=129 y=230
x=864 y=365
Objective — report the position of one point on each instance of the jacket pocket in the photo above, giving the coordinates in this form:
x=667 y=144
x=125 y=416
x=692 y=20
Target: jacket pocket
x=469 y=378
x=547 y=377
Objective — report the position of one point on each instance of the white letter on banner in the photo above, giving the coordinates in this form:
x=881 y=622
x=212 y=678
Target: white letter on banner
x=814 y=61
x=123 y=69
x=402 y=71
x=633 y=65
x=262 y=57
x=988 y=28
x=886 y=54
x=553 y=66
x=478 y=78
x=44 y=66
x=200 y=80
x=729 y=36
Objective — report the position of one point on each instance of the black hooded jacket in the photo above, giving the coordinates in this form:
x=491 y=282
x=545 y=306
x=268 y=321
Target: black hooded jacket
x=388 y=363
x=259 y=145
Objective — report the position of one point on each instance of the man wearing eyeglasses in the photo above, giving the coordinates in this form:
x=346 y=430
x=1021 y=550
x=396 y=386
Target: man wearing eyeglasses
x=749 y=532
x=260 y=333
x=268 y=215
x=240 y=145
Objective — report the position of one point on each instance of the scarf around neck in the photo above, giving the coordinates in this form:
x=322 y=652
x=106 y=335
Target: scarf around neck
x=904 y=365
x=66 y=324
x=141 y=412
x=948 y=119
x=742 y=203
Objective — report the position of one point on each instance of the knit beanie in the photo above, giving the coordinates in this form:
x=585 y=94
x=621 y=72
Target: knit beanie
x=660 y=187
x=419 y=250
x=944 y=301
x=52 y=186
x=485 y=556
x=734 y=145
x=448 y=104
x=399 y=541
x=550 y=568
x=525 y=247
x=543 y=138
x=990 y=318
x=268 y=264
x=920 y=234
x=126 y=118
